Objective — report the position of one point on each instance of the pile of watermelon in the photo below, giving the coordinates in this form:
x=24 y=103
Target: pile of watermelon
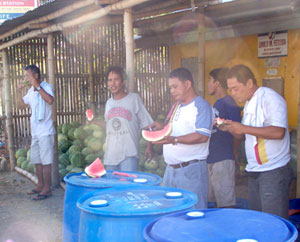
x=78 y=146
x=23 y=160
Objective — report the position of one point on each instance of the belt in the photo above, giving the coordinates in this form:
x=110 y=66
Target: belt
x=184 y=164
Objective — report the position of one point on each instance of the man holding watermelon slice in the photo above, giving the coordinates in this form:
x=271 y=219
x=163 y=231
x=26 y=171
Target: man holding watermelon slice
x=186 y=149
x=39 y=97
x=265 y=129
x=125 y=117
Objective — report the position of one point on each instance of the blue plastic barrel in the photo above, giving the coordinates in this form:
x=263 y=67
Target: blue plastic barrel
x=120 y=214
x=220 y=225
x=78 y=184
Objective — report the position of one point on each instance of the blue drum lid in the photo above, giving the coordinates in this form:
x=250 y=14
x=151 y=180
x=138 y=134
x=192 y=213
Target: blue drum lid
x=137 y=201
x=113 y=179
x=220 y=225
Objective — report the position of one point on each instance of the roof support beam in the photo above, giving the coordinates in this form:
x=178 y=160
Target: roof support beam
x=48 y=17
x=129 y=46
x=82 y=19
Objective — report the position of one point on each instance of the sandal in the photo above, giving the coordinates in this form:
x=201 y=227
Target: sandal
x=41 y=196
x=32 y=192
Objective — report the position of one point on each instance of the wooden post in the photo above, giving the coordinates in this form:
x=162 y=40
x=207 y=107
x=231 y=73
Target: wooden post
x=298 y=145
x=52 y=81
x=200 y=85
x=91 y=85
x=129 y=46
x=8 y=111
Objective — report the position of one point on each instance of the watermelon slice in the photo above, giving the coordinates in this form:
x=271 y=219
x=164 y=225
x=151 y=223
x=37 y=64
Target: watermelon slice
x=220 y=121
x=157 y=134
x=89 y=114
x=96 y=169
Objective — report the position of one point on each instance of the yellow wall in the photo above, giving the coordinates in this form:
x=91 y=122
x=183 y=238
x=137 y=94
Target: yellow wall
x=228 y=52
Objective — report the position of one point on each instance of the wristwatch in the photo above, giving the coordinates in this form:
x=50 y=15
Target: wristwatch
x=175 y=141
x=38 y=88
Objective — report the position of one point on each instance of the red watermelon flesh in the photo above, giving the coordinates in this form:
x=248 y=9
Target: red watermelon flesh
x=220 y=121
x=96 y=169
x=89 y=114
x=157 y=134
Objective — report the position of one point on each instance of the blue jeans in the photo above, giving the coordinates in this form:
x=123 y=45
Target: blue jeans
x=129 y=164
x=193 y=177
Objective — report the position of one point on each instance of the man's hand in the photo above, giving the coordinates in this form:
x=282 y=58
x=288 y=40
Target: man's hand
x=235 y=128
x=155 y=126
x=148 y=151
x=166 y=140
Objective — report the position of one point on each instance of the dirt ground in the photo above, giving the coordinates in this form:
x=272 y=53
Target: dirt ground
x=25 y=220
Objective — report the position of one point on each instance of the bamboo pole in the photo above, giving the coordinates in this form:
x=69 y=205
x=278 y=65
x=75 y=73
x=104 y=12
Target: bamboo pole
x=82 y=19
x=48 y=17
x=298 y=145
x=8 y=110
x=91 y=84
x=129 y=46
x=52 y=81
x=200 y=83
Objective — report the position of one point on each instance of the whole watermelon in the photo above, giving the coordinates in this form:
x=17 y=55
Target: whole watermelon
x=64 y=159
x=77 y=160
x=25 y=164
x=65 y=128
x=61 y=136
x=90 y=158
x=21 y=153
x=75 y=124
x=64 y=145
x=78 y=143
x=86 y=151
x=59 y=128
x=71 y=133
x=95 y=144
x=76 y=170
x=79 y=133
x=74 y=149
x=20 y=160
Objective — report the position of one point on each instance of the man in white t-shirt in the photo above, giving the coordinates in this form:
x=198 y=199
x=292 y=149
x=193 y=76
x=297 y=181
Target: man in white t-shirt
x=265 y=127
x=39 y=97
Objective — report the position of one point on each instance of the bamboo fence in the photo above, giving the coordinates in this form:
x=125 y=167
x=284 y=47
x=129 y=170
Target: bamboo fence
x=82 y=56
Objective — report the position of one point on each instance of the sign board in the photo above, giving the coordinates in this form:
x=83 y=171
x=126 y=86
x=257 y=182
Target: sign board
x=272 y=44
x=10 y=9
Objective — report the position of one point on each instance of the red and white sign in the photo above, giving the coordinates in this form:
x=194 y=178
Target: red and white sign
x=272 y=44
x=18 y=3
x=10 y=9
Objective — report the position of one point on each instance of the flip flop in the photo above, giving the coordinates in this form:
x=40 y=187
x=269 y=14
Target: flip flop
x=41 y=196
x=32 y=192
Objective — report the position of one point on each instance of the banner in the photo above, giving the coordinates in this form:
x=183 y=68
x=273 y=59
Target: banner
x=10 y=9
x=272 y=44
